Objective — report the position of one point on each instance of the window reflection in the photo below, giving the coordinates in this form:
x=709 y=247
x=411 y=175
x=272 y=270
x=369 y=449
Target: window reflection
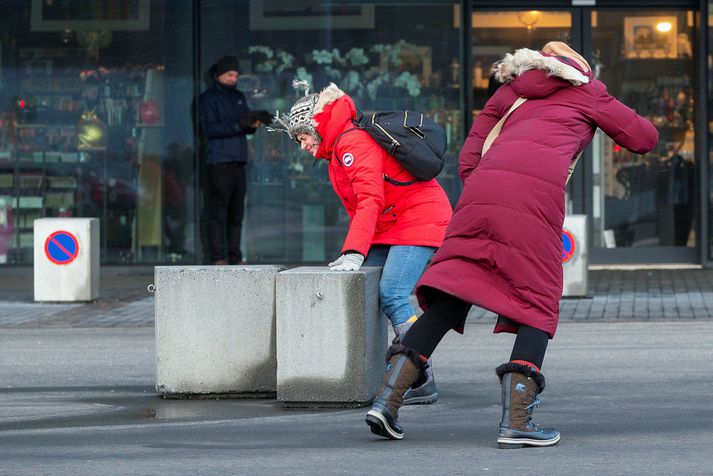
x=408 y=59
x=647 y=200
x=94 y=122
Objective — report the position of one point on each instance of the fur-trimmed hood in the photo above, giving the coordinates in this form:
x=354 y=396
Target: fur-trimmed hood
x=334 y=112
x=327 y=96
x=563 y=66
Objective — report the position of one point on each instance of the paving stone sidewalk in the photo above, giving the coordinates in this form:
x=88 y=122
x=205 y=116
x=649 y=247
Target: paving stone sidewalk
x=615 y=295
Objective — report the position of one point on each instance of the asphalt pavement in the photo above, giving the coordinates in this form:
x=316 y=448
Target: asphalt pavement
x=629 y=398
x=630 y=393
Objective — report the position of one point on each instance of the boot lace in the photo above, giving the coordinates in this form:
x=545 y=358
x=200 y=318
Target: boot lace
x=530 y=408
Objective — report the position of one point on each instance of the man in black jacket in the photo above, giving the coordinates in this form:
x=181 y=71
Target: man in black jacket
x=225 y=120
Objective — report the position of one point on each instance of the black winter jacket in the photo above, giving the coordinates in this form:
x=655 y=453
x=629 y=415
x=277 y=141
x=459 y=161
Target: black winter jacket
x=220 y=110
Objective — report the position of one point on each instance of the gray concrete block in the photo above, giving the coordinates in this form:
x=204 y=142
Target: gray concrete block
x=331 y=337
x=215 y=330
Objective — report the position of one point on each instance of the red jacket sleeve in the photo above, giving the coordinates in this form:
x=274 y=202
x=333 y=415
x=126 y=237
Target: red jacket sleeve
x=494 y=109
x=624 y=125
x=363 y=161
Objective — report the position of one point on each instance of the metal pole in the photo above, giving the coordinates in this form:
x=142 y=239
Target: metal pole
x=702 y=136
x=196 y=29
x=466 y=93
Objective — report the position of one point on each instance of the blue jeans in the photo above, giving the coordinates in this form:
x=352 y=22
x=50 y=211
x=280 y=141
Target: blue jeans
x=403 y=266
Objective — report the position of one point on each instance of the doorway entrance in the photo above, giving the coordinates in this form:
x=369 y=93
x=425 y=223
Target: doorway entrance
x=642 y=208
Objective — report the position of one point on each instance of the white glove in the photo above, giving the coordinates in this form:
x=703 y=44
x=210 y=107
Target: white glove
x=348 y=262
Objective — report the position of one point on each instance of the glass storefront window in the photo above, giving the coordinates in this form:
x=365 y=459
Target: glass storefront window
x=385 y=56
x=498 y=33
x=646 y=60
x=89 y=126
x=97 y=101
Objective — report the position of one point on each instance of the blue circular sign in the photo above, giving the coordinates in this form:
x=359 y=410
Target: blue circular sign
x=568 y=246
x=61 y=247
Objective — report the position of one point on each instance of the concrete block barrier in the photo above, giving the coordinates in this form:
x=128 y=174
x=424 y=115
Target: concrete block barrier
x=215 y=330
x=331 y=337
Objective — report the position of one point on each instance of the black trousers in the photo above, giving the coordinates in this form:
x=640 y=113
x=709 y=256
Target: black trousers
x=446 y=312
x=226 y=198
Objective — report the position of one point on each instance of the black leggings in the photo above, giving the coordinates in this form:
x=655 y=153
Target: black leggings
x=447 y=311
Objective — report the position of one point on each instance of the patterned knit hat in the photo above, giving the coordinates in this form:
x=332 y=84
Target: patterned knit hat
x=299 y=120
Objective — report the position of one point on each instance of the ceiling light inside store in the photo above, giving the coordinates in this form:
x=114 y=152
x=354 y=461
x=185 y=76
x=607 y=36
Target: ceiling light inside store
x=536 y=18
x=664 y=26
x=529 y=19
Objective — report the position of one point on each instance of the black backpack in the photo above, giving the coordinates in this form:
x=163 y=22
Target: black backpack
x=414 y=140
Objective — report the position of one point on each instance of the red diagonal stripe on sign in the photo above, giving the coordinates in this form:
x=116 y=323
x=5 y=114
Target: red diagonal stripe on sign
x=59 y=245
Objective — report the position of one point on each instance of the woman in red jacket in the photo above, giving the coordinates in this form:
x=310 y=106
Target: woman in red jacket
x=503 y=247
x=397 y=227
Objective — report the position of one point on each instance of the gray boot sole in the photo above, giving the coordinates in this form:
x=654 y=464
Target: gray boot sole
x=515 y=443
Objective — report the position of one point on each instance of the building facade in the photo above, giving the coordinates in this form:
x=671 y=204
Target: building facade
x=98 y=106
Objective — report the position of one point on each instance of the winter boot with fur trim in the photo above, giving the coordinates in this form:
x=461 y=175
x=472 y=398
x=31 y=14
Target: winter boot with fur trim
x=520 y=385
x=424 y=391
x=403 y=368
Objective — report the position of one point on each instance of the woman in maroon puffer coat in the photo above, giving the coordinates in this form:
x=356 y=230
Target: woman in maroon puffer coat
x=503 y=246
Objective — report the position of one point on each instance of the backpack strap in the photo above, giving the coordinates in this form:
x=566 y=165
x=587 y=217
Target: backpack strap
x=336 y=141
x=386 y=177
x=495 y=131
x=572 y=165
x=397 y=183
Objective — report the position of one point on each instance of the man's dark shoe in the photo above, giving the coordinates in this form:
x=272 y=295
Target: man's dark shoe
x=520 y=385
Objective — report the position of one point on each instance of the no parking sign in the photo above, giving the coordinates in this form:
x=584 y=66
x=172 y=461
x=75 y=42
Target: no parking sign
x=66 y=259
x=61 y=247
x=575 y=262
x=568 y=245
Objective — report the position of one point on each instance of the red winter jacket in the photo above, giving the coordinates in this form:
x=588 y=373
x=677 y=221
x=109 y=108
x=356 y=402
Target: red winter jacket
x=503 y=247
x=380 y=213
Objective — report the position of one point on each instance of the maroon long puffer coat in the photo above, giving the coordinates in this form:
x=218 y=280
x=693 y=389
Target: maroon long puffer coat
x=503 y=245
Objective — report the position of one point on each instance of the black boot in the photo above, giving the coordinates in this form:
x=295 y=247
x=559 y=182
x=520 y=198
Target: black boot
x=403 y=369
x=520 y=385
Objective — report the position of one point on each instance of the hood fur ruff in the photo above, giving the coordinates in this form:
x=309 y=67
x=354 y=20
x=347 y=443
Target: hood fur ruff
x=327 y=96
x=513 y=65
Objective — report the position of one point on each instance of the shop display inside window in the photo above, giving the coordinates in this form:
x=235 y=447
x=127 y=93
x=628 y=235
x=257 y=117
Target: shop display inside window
x=649 y=200
x=72 y=144
x=381 y=76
